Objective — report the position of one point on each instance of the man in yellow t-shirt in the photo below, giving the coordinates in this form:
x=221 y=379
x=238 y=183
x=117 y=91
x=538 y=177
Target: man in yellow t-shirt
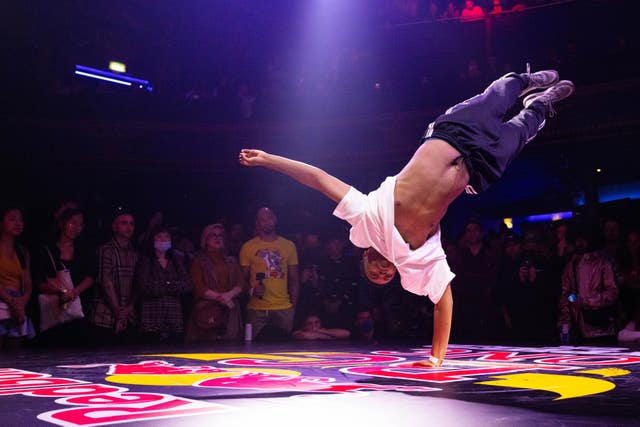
x=270 y=266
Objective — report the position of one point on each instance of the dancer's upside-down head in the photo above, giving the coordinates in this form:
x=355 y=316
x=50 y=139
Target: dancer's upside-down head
x=377 y=268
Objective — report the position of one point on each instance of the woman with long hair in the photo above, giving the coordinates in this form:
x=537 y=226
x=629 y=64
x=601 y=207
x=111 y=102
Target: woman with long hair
x=15 y=280
x=66 y=257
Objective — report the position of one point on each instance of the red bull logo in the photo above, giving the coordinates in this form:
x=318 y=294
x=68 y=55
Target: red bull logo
x=560 y=375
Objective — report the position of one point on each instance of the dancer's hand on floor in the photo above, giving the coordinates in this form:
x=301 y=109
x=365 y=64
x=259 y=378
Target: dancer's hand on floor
x=426 y=363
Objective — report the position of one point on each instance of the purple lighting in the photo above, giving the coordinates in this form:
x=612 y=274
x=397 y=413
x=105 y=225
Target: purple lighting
x=112 y=77
x=549 y=217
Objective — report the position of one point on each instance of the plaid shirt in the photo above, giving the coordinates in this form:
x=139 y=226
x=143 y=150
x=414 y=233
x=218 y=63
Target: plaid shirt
x=117 y=263
x=160 y=291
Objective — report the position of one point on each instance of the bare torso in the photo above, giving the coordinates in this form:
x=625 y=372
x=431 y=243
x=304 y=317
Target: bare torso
x=432 y=179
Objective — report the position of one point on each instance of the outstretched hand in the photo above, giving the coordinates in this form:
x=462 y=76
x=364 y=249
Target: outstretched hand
x=250 y=157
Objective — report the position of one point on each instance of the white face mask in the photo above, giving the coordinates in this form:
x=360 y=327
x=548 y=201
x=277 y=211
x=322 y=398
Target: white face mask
x=162 y=246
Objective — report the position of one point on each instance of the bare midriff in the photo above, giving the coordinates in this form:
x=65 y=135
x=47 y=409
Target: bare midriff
x=432 y=179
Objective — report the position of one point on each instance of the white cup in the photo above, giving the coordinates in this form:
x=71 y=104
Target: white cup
x=248 y=332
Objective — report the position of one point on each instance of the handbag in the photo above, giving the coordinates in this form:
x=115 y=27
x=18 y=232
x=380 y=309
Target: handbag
x=600 y=317
x=52 y=311
x=210 y=314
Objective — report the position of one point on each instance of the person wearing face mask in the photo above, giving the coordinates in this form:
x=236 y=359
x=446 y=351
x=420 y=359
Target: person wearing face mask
x=161 y=278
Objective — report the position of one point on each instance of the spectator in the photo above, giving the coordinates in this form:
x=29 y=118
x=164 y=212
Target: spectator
x=15 y=280
x=471 y=12
x=311 y=294
x=384 y=303
x=497 y=7
x=560 y=253
x=235 y=239
x=630 y=334
x=64 y=205
x=65 y=253
x=340 y=274
x=161 y=279
x=562 y=246
x=183 y=246
x=630 y=269
x=475 y=267
x=156 y=220
x=313 y=330
x=113 y=314
x=218 y=284
x=451 y=12
x=612 y=245
x=270 y=266
x=521 y=294
x=311 y=250
x=589 y=295
x=432 y=11
x=364 y=325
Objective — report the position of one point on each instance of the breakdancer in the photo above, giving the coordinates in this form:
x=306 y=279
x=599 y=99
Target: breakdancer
x=466 y=149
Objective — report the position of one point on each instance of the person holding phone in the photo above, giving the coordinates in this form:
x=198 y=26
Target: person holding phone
x=270 y=267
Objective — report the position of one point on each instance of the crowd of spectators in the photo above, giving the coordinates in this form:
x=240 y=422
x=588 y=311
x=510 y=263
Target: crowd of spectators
x=552 y=283
x=464 y=10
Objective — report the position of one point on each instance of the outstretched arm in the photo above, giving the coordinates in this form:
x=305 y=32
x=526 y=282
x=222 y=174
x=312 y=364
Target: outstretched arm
x=308 y=175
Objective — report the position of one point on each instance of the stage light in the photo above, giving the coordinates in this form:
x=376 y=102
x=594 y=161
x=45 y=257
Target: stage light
x=107 y=79
x=556 y=216
x=118 y=67
x=508 y=222
x=111 y=77
x=598 y=170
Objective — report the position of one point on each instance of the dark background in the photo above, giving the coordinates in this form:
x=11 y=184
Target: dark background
x=348 y=86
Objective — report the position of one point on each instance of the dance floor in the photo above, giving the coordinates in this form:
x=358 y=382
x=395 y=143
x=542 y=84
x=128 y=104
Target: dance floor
x=320 y=384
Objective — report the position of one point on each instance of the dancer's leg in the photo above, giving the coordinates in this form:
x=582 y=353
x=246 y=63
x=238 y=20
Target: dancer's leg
x=515 y=134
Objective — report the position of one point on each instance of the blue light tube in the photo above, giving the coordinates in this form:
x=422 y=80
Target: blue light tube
x=95 y=76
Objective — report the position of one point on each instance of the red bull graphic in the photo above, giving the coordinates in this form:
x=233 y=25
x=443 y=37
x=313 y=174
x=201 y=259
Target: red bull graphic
x=95 y=394
x=98 y=404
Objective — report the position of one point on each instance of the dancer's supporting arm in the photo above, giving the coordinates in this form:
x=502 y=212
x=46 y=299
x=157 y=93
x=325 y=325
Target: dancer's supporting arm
x=308 y=175
x=442 y=314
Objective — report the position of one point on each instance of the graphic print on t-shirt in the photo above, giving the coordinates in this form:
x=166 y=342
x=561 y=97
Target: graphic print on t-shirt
x=273 y=262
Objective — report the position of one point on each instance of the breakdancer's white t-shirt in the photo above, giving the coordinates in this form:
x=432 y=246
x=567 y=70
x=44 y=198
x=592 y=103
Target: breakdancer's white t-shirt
x=423 y=271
